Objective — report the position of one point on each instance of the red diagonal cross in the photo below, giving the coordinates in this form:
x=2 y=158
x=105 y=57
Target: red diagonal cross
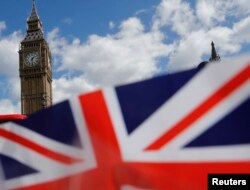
x=112 y=172
x=223 y=92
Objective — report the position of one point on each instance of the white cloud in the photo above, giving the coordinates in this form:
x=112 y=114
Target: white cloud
x=225 y=39
x=176 y=14
x=111 y=25
x=241 y=30
x=206 y=12
x=141 y=11
x=131 y=27
x=14 y=88
x=7 y=107
x=2 y=26
x=56 y=42
x=212 y=12
x=8 y=53
x=67 y=20
x=189 y=51
x=9 y=72
x=67 y=87
x=196 y=26
x=127 y=55
x=244 y=6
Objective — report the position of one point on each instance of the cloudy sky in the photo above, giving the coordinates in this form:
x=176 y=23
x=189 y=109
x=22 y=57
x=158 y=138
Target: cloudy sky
x=105 y=42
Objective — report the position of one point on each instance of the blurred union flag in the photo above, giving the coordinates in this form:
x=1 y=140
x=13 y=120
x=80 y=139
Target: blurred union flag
x=168 y=132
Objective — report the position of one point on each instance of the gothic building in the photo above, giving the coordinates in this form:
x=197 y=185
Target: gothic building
x=35 y=67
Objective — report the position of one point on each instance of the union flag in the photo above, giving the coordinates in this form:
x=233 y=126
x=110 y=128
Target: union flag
x=168 y=132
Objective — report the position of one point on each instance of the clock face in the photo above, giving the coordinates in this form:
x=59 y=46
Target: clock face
x=32 y=59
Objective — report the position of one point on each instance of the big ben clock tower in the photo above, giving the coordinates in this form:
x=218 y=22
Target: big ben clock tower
x=35 y=67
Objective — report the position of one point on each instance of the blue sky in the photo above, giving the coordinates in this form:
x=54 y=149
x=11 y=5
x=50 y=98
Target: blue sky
x=75 y=18
x=106 y=42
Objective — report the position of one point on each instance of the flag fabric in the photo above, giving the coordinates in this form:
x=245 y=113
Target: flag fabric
x=11 y=117
x=168 y=132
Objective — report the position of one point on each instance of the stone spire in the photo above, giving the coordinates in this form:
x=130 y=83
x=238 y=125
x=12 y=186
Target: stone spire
x=214 y=55
x=33 y=16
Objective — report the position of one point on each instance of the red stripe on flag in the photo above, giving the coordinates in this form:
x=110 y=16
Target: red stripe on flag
x=12 y=117
x=38 y=148
x=202 y=109
x=177 y=176
x=104 y=142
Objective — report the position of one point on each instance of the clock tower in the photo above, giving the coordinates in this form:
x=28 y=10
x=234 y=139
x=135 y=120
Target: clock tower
x=35 y=67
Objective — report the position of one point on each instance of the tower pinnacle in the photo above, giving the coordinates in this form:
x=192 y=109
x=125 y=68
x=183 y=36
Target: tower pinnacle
x=214 y=55
x=33 y=16
x=34 y=23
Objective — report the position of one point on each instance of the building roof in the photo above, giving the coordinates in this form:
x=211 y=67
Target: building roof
x=35 y=35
